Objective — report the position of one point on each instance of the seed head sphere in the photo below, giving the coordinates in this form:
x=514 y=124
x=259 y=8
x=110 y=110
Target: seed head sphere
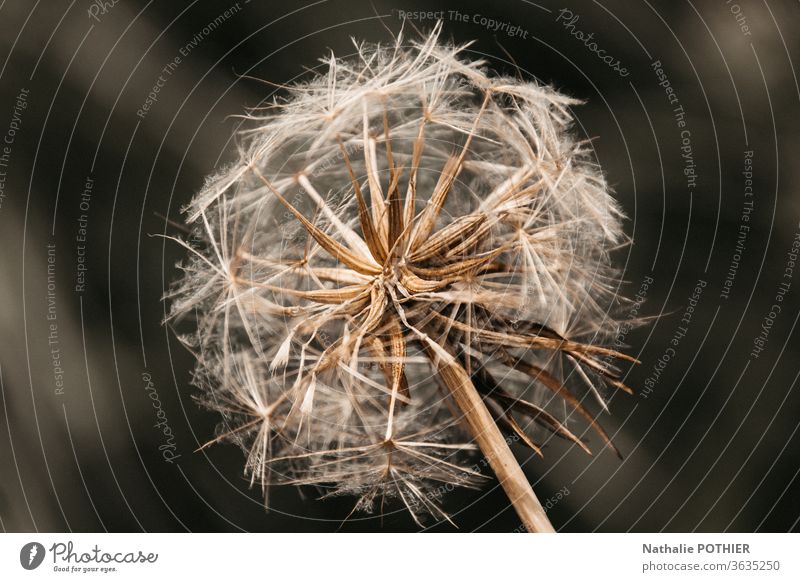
x=406 y=270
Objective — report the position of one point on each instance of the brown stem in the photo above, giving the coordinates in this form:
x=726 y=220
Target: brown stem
x=494 y=446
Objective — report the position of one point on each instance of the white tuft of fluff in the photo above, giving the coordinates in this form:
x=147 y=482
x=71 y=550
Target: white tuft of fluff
x=491 y=230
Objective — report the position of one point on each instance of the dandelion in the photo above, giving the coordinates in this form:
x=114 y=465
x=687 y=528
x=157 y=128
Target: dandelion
x=405 y=271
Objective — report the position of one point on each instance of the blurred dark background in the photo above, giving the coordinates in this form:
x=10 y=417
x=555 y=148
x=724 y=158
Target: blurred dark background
x=710 y=440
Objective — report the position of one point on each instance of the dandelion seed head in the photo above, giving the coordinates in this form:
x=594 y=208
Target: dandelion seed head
x=401 y=215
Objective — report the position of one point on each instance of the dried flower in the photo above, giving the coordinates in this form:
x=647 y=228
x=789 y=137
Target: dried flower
x=409 y=258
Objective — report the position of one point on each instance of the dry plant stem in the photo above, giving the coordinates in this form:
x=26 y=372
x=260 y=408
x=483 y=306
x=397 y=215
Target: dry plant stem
x=495 y=448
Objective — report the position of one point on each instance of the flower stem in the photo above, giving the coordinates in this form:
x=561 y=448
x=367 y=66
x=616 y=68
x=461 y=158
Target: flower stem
x=495 y=448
